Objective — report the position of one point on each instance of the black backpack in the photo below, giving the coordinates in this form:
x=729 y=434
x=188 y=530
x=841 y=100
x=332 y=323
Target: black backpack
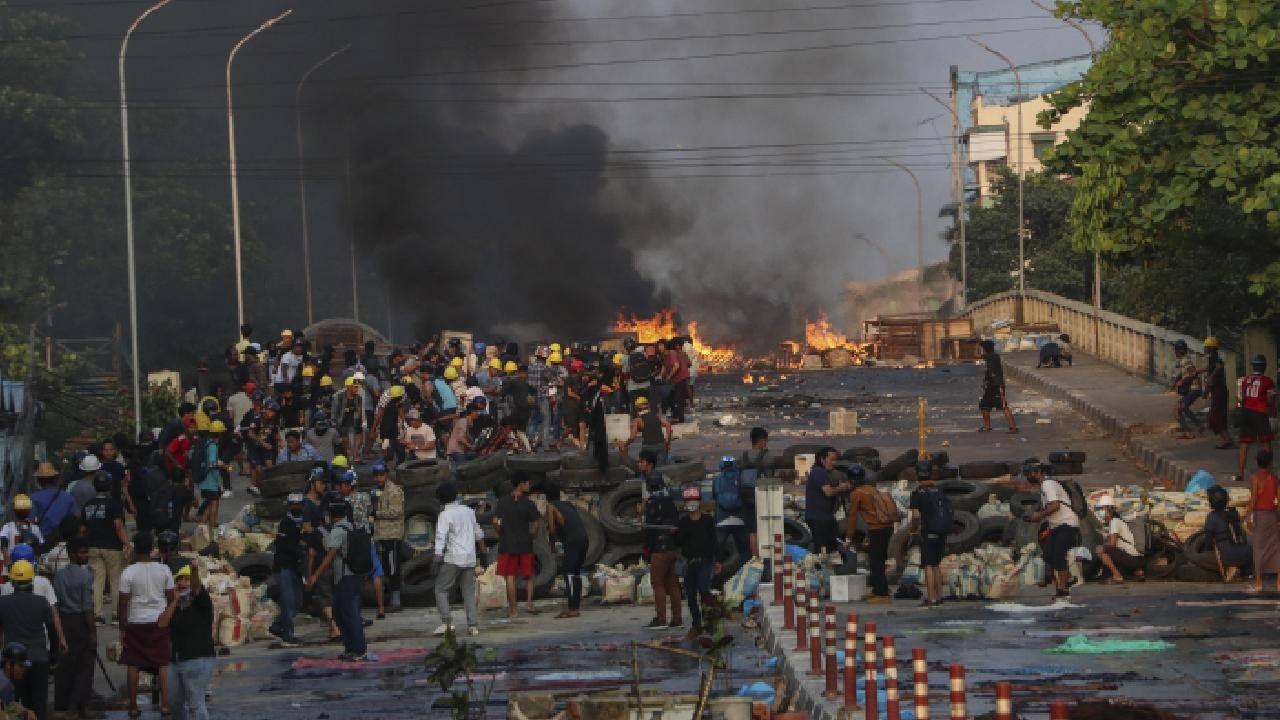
x=641 y=368
x=198 y=460
x=159 y=496
x=936 y=514
x=358 y=552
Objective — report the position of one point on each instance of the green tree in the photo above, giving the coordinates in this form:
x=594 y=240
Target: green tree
x=1180 y=141
x=1053 y=264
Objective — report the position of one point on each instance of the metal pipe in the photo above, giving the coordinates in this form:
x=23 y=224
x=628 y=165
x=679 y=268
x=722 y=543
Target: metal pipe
x=233 y=171
x=128 y=217
x=302 y=183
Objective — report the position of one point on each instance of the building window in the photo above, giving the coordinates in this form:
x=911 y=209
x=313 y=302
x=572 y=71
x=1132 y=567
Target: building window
x=1040 y=142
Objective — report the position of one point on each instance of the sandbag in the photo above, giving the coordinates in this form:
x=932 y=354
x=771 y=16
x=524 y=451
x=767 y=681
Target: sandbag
x=644 y=589
x=616 y=586
x=491 y=590
x=231 y=631
x=743 y=584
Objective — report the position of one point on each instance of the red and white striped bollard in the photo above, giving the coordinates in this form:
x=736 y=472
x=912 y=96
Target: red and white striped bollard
x=850 y=662
x=815 y=635
x=775 y=573
x=869 y=700
x=788 y=599
x=1004 y=701
x=802 y=612
x=832 y=689
x=892 y=708
x=920 y=672
x=1059 y=711
x=959 y=710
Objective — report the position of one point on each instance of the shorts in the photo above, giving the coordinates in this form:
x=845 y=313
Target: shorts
x=932 y=548
x=520 y=566
x=377 y=562
x=1124 y=560
x=992 y=399
x=209 y=495
x=1255 y=427
x=1061 y=539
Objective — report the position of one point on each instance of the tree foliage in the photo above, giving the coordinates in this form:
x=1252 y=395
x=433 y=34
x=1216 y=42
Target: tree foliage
x=1181 y=138
x=1053 y=264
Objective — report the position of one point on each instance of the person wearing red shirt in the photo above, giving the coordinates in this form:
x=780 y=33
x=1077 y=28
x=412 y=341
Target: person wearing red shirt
x=676 y=365
x=175 y=455
x=1257 y=401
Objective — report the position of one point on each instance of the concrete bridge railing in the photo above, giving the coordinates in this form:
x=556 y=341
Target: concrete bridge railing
x=1141 y=348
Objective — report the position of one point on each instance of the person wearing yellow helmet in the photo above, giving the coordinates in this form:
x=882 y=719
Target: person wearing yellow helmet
x=555 y=348
x=347 y=413
x=20 y=529
x=388 y=419
x=1215 y=386
x=451 y=373
x=27 y=615
x=555 y=358
x=495 y=364
x=456 y=363
x=326 y=381
x=510 y=368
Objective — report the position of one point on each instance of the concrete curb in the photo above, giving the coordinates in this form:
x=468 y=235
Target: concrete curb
x=1131 y=435
x=794 y=666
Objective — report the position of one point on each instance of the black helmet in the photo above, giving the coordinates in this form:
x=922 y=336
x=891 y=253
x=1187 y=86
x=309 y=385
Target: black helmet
x=1218 y=497
x=1258 y=361
x=167 y=540
x=988 y=345
x=924 y=469
x=1030 y=465
x=15 y=652
x=1179 y=344
x=101 y=482
x=629 y=344
x=857 y=474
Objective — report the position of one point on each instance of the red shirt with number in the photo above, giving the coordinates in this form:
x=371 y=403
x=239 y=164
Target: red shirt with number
x=1255 y=393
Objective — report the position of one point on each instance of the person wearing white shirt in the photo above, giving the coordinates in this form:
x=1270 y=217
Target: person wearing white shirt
x=457 y=534
x=1118 y=551
x=1064 y=526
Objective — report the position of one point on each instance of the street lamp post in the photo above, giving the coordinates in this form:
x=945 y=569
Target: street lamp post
x=957 y=183
x=1022 y=233
x=128 y=218
x=302 y=182
x=231 y=151
x=919 y=221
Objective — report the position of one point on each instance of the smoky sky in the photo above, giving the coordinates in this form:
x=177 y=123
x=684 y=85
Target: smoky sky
x=527 y=167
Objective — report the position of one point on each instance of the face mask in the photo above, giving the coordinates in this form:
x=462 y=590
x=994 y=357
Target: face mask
x=691 y=506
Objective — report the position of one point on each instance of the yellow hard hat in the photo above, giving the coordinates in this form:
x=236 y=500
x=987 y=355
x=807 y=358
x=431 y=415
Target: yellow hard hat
x=217 y=427
x=451 y=373
x=21 y=502
x=510 y=367
x=22 y=571
x=349 y=382
x=555 y=347
x=326 y=381
x=642 y=401
x=340 y=461
x=396 y=391
x=202 y=422
x=456 y=362
x=286 y=333
x=184 y=572
x=308 y=371
x=406 y=379
x=495 y=363
x=1211 y=342
x=617 y=359
x=555 y=357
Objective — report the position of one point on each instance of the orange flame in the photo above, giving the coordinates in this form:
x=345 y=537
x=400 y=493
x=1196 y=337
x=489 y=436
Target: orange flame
x=747 y=379
x=821 y=336
x=648 y=330
x=713 y=358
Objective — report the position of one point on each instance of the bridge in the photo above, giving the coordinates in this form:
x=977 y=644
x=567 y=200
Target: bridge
x=1120 y=377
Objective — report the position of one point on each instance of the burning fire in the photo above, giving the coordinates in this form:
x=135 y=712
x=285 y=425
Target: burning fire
x=648 y=330
x=747 y=379
x=821 y=336
x=713 y=358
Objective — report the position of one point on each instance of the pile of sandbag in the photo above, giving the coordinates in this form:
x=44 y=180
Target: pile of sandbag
x=1183 y=513
x=240 y=614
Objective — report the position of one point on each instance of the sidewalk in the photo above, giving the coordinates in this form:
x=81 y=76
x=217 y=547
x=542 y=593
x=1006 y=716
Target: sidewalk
x=1137 y=413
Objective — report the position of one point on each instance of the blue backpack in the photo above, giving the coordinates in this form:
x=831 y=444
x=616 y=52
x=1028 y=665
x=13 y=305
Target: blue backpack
x=728 y=490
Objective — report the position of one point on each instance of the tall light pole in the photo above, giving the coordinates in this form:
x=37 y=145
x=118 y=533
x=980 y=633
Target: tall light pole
x=351 y=228
x=231 y=151
x=919 y=220
x=1093 y=55
x=128 y=218
x=302 y=182
x=1022 y=233
x=957 y=180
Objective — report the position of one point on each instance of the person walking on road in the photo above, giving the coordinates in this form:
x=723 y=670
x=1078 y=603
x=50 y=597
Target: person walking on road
x=457 y=536
x=565 y=524
x=1257 y=403
x=993 y=389
x=879 y=513
x=1215 y=386
x=1060 y=520
x=146 y=589
x=108 y=541
x=73 y=678
x=349 y=552
x=518 y=522
x=660 y=518
x=1264 y=521
x=821 y=493
x=1187 y=385
x=286 y=563
x=696 y=537
x=933 y=516
x=189 y=616
x=27 y=617
x=651 y=428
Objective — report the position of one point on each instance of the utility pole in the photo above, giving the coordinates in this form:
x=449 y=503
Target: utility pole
x=959 y=164
x=128 y=219
x=351 y=229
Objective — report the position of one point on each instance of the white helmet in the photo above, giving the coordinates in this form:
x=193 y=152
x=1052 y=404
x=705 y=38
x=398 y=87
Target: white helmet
x=359 y=376
x=1106 y=501
x=90 y=463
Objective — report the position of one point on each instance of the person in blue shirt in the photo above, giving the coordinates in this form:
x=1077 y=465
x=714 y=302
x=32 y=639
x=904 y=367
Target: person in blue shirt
x=295 y=450
x=51 y=506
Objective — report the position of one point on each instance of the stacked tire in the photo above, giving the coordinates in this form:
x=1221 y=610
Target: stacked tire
x=278 y=482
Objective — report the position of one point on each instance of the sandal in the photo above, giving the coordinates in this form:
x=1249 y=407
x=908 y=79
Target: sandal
x=1113 y=581
x=984 y=429
x=566 y=614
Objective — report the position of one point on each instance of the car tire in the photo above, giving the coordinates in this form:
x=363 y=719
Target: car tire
x=1067 y=456
x=965 y=495
x=255 y=566
x=597 y=542
x=534 y=462
x=628 y=555
x=992 y=529
x=858 y=454
x=965 y=533
x=420 y=514
x=1067 y=468
x=620 y=514
x=482 y=466
x=418 y=581
x=984 y=469
x=1023 y=503
x=1199 y=553
x=580 y=481
x=796 y=533
x=422 y=473
x=893 y=468
x=683 y=473
x=269 y=508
